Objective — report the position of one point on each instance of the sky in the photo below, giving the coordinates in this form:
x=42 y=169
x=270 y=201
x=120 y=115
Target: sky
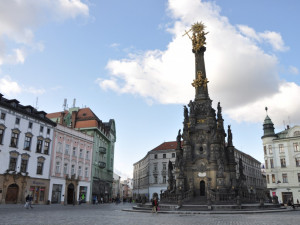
x=128 y=61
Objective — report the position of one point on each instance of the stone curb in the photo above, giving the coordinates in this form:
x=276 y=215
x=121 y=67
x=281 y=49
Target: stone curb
x=210 y=212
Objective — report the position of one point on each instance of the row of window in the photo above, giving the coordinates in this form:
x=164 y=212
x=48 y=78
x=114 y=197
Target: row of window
x=280 y=148
x=67 y=151
x=284 y=178
x=18 y=120
x=24 y=163
x=42 y=145
x=164 y=155
x=66 y=166
x=282 y=163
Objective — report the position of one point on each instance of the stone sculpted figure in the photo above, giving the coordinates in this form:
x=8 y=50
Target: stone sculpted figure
x=179 y=139
x=192 y=107
x=170 y=175
x=229 y=140
x=186 y=113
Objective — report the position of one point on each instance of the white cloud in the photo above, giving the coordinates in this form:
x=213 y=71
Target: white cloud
x=19 y=19
x=293 y=70
x=270 y=37
x=242 y=75
x=9 y=87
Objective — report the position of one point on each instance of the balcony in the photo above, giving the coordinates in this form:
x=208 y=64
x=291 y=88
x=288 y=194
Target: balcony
x=102 y=150
x=102 y=165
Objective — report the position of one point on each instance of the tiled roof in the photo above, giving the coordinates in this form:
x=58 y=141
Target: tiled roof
x=86 y=123
x=166 y=146
x=55 y=115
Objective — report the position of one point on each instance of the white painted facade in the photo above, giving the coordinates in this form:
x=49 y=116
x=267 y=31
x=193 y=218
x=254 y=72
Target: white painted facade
x=282 y=164
x=17 y=123
x=150 y=175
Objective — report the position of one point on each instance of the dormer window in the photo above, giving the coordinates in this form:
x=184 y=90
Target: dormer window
x=17 y=121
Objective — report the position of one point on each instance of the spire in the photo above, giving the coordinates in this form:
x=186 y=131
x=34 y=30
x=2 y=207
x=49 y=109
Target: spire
x=198 y=40
x=268 y=126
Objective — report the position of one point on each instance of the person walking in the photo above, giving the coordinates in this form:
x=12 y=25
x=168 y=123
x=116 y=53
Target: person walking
x=30 y=202
x=154 y=205
x=27 y=202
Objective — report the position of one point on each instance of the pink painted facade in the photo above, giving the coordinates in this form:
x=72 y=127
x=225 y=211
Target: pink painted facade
x=70 y=169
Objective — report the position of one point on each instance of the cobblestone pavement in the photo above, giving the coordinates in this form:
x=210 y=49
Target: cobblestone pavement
x=111 y=214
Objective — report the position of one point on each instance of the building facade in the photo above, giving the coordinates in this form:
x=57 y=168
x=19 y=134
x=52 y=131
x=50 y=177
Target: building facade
x=150 y=174
x=70 y=170
x=104 y=136
x=116 y=187
x=26 y=137
x=282 y=161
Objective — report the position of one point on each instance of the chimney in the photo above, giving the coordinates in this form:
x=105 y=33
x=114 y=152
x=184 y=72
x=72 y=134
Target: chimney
x=73 y=119
x=62 y=115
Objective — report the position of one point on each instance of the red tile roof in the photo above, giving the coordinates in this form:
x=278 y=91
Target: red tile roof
x=166 y=146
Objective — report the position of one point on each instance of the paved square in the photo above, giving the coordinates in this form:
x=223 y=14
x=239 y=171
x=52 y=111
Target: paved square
x=111 y=214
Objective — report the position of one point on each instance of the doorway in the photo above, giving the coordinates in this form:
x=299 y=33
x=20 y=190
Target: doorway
x=202 y=188
x=71 y=194
x=12 y=194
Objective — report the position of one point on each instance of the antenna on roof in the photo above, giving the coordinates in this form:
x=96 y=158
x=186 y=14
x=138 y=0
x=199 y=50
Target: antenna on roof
x=74 y=102
x=36 y=103
x=65 y=104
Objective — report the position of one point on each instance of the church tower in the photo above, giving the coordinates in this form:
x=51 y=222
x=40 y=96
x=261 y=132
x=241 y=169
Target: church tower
x=205 y=164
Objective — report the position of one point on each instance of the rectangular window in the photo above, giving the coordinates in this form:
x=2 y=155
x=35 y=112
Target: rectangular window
x=155 y=156
x=173 y=155
x=14 y=139
x=42 y=194
x=59 y=147
x=265 y=149
x=67 y=149
x=164 y=166
x=164 y=179
x=87 y=155
x=81 y=153
x=48 y=130
x=299 y=177
x=271 y=163
x=66 y=168
x=273 y=178
x=270 y=149
x=39 y=169
x=27 y=143
x=3 y=116
x=296 y=147
x=29 y=125
x=155 y=167
x=74 y=151
x=164 y=156
x=86 y=172
x=155 y=179
x=281 y=148
x=39 y=146
x=24 y=163
x=79 y=171
x=18 y=121
x=282 y=162
x=284 y=178
x=12 y=163
x=266 y=162
x=41 y=129
x=268 y=179
x=297 y=162
x=1 y=135
x=72 y=169
x=57 y=167
x=46 y=147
